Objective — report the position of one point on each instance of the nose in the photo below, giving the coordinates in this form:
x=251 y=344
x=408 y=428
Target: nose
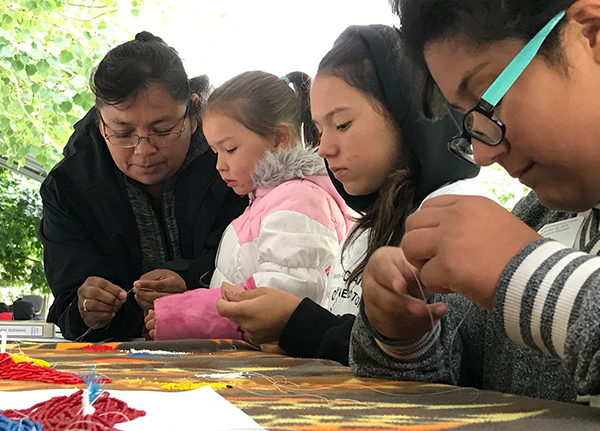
x=221 y=165
x=144 y=147
x=486 y=155
x=327 y=146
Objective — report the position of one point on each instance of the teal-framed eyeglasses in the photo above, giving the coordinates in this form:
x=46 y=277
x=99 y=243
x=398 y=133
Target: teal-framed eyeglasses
x=480 y=122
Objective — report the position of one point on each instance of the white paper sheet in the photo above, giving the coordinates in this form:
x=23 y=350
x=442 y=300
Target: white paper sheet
x=199 y=409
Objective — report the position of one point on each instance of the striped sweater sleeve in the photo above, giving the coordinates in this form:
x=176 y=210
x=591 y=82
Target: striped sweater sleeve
x=548 y=298
x=435 y=357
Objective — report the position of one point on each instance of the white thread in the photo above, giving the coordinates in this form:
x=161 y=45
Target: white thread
x=154 y=352
x=439 y=352
x=87 y=408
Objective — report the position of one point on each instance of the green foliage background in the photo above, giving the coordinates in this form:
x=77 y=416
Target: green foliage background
x=48 y=49
x=21 y=251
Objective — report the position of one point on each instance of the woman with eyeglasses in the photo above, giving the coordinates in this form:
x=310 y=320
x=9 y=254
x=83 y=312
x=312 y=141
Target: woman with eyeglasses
x=526 y=75
x=136 y=209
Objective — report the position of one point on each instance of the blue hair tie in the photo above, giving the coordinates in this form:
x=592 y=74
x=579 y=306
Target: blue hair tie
x=286 y=79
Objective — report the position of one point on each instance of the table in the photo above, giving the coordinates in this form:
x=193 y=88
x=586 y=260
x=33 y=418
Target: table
x=283 y=393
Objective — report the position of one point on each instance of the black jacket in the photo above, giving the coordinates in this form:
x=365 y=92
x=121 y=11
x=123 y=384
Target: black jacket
x=315 y=332
x=88 y=229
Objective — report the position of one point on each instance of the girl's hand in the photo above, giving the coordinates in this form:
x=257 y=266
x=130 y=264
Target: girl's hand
x=150 y=323
x=394 y=302
x=262 y=312
x=272 y=348
x=463 y=243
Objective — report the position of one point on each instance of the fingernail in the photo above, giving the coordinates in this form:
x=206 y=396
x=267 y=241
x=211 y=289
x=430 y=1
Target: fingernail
x=439 y=310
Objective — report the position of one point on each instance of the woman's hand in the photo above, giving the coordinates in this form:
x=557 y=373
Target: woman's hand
x=156 y=284
x=463 y=243
x=98 y=301
x=262 y=312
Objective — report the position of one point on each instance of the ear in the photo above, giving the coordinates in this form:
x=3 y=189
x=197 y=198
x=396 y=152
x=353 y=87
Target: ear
x=194 y=124
x=586 y=13
x=195 y=98
x=283 y=136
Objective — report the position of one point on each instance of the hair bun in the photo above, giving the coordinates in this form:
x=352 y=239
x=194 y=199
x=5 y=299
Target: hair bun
x=146 y=36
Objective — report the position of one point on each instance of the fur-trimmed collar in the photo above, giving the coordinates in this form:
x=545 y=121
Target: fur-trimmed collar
x=286 y=164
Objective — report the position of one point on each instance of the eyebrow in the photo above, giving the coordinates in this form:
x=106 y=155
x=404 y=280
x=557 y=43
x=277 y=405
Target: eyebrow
x=463 y=87
x=163 y=119
x=333 y=112
x=223 y=140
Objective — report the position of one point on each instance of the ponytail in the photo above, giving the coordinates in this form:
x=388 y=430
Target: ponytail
x=261 y=102
x=302 y=82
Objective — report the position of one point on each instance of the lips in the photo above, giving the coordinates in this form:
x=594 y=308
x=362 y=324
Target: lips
x=336 y=170
x=148 y=167
x=519 y=174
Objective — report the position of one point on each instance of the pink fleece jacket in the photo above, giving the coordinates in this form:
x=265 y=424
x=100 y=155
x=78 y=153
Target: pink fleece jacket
x=287 y=239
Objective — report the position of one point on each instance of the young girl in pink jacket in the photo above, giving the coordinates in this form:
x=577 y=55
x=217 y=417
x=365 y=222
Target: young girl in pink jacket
x=262 y=132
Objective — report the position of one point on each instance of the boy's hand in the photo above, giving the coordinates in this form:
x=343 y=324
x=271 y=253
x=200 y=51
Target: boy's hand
x=463 y=243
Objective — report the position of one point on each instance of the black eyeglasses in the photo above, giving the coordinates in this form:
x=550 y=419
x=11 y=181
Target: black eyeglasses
x=130 y=140
x=479 y=122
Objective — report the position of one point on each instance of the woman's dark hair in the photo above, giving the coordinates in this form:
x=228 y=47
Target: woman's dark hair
x=4 y=308
x=262 y=101
x=350 y=60
x=128 y=69
x=481 y=22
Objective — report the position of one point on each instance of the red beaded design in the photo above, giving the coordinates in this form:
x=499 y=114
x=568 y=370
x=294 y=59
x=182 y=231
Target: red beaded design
x=11 y=370
x=65 y=413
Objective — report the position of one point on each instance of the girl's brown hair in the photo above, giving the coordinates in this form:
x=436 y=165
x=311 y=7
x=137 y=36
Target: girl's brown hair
x=261 y=102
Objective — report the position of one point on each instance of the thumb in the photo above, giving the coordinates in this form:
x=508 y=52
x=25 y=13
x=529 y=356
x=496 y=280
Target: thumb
x=437 y=310
x=231 y=293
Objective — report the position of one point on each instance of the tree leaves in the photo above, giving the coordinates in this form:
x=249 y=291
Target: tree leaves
x=48 y=49
x=21 y=250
